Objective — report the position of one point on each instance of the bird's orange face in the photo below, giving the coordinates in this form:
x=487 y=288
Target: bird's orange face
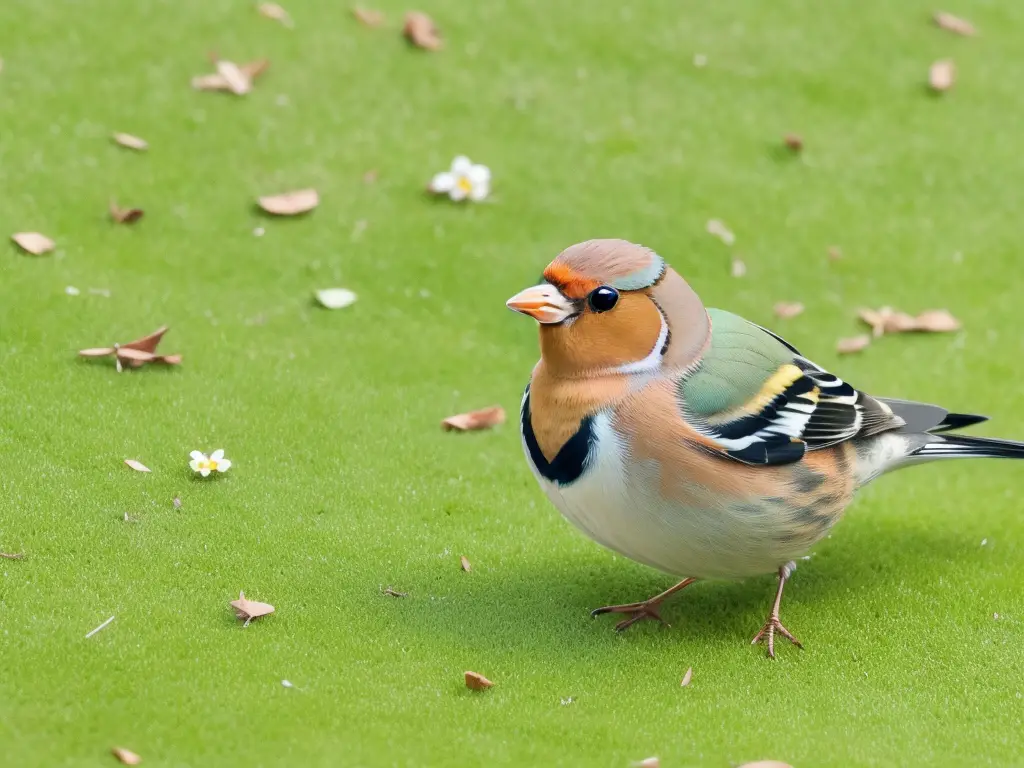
x=592 y=320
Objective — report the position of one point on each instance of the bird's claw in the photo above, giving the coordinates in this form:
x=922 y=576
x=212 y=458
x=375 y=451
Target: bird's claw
x=636 y=611
x=771 y=626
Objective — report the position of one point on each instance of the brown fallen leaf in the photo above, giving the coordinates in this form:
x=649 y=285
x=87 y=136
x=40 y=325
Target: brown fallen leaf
x=394 y=593
x=368 y=17
x=12 y=555
x=794 y=142
x=788 y=309
x=719 y=230
x=124 y=215
x=464 y=561
x=835 y=253
x=739 y=269
x=937 y=321
x=238 y=82
x=254 y=69
x=135 y=353
x=766 y=764
x=126 y=756
x=370 y=176
x=647 y=762
x=138 y=466
x=250 y=609
x=33 y=242
x=131 y=142
x=477 y=682
x=687 y=677
x=421 y=31
x=887 y=320
x=942 y=75
x=275 y=12
x=954 y=24
x=485 y=418
x=290 y=203
x=218 y=82
x=854 y=344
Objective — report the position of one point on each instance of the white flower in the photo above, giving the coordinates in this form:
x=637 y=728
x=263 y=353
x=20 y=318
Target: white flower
x=465 y=180
x=204 y=464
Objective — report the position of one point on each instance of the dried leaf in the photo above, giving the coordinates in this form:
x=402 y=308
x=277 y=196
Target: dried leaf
x=12 y=555
x=482 y=419
x=739 y=269
x=33 y=242
x=126 y=756
x=766 y=764
x=135 y=353
x=336 y=298
x=97 y=352
x=421 y=31
x=218 y=82
x=370 y=176
x=290 y=203
x=254 y=69
x=465 y=563
x=794 y=142
x=367 y=17
x=212 y=82
x=138 y=466
x=835 y=253
x=124 y=215
x=132 y=142
x=477 y=682
x=275 y=12
x=250 y=609
x=394 y=593
x=647 y=762
x=687 y=677
x=937 y=321
x=788 y=309
x=719 y=230
x=853 y=344
x=954 y=24
x=237 y=81
x=942 y=75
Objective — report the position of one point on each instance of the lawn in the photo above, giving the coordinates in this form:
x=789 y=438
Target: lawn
x=595 y=122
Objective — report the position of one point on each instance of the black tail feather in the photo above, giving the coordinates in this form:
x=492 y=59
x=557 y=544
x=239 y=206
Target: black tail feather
x=962 y=446
x=958 y=421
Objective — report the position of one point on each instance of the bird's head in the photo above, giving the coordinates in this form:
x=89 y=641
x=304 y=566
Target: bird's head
x=611 y=306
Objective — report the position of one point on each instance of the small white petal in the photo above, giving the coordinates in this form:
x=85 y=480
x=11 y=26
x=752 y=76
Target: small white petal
x=442 y=182
x=479 y=174
x=480 y=191
x=457 y=193
x=194 y=464
x=217 y=455
x=461 y=165
x=336 y=298
x=198 y=456
x=205 y=471
x=224 y=465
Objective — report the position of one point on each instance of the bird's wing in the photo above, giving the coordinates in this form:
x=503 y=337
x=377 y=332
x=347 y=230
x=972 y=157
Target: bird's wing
x=759 y=401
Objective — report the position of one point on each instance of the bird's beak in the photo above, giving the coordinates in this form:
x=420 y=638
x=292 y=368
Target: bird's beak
x=544 y=303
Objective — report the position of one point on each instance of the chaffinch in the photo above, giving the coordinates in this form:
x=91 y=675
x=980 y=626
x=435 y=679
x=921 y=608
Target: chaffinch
x=694 y=441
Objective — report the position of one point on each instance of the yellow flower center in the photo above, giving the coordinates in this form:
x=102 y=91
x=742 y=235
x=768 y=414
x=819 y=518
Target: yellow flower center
x=212 y=465
x=464 y=184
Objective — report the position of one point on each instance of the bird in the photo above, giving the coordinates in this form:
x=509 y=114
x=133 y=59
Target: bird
x=694 y=441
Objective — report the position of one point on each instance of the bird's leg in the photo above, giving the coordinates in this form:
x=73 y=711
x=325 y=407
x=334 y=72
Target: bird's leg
x=773 y=625
x=648 y=609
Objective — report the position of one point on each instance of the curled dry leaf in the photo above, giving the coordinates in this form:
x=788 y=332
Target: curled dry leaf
x=687 y=677
x=238 y=82
x=853 y=344
x=954 y=24
x=336 y=298
x=126 y=756
x=739 y=269
x=794 y=142
x=250 y=609
x=477 y=682
x=124 y=215
x=33 y=242
x=290 y=203
x=485 y=418
x=138 y=466
x=242 y=76
x=395 y=593
x=368 y=17
x=275 y=12
x=788 y=309
x=888 y=320
x=942 y=75
x=464 y=561
x=12 y=555
x=719 y=230
x=135 y=353
x=421 y=31
x=937 y=321
x=131 y=142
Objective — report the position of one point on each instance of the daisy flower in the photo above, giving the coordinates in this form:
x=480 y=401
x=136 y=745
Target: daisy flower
x=204 y=464
x=465 y=180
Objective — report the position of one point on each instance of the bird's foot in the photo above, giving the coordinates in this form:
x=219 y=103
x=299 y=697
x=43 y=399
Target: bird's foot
x=771 y=626
x=648 y=609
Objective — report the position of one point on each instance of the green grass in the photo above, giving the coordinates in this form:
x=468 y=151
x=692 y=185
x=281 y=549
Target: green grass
x=595 y=123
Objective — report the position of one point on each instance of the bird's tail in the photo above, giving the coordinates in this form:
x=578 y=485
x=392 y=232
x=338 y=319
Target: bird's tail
x=964 y=447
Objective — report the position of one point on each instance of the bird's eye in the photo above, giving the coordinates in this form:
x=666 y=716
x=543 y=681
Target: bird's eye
x=602 y=299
